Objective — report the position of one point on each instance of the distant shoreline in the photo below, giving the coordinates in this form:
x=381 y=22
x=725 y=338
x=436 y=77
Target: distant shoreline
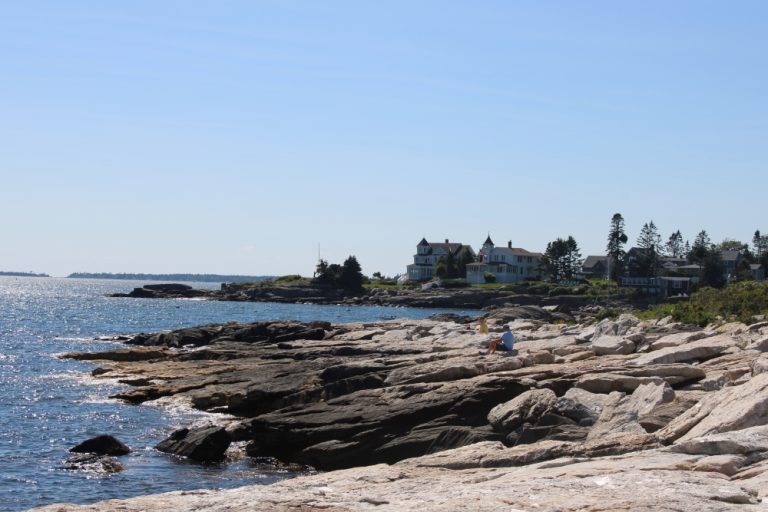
x=212 y=278
x=22 y=274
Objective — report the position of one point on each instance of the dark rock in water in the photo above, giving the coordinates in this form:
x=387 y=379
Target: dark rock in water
x=171 y=287
x=206 y=444
x=157 y=291
x=102 y=445
x=451 y=317
x=93 y=462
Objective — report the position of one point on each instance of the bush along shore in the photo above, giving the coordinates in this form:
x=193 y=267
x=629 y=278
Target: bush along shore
x=617 y=414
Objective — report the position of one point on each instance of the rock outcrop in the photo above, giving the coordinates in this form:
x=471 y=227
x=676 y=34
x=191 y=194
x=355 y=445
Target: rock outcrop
x=102 y=445
x=205 y=444
x=423 y=421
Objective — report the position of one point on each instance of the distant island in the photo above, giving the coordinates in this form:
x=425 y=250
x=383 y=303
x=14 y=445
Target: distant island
x=212 y=278
x=22 y=274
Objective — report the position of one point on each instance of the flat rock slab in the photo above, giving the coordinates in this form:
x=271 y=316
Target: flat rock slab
x=655 y=480
x=705 y=348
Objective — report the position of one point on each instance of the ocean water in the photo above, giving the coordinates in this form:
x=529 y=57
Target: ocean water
x=48 y=405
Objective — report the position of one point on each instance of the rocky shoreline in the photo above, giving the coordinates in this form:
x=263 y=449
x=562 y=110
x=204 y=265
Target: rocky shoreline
x=434 y=297
x=406 y=415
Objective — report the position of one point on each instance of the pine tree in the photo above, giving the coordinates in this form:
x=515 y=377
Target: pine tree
x=701 y=248
x=675 y=247
x=466 y=256
x=562 y=259
x=650 y=243
x=351 y=276
x=615 y=248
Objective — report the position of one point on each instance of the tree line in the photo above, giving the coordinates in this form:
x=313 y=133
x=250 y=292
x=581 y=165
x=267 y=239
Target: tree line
x=702 y=252
x=562 y=257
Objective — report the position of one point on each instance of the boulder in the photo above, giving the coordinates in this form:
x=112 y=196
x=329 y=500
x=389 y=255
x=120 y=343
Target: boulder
x=580 y=405
x=759 y=366
x=618 y=327
x=528 y=407
x=623 y=413
x=732 y=408
x=206 y=444
x=676 y=339
x=608 y=345
x=102 y=445
x=760 y=345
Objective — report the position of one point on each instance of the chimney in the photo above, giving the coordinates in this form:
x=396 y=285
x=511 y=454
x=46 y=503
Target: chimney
x=509 y=244
x=446 y=240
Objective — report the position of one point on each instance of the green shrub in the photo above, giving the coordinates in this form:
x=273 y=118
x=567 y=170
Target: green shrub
x=454 y=283
x=737 y=302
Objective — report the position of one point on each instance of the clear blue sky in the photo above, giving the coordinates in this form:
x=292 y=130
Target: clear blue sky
x=237 y=136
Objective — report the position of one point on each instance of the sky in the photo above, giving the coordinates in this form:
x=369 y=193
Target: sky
x=249 y=137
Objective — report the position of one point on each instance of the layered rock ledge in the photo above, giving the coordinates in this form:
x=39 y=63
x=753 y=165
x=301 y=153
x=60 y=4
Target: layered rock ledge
x=406 y=415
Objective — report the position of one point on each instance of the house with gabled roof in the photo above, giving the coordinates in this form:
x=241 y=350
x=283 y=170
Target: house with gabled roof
x=596 y=267
x=509 y=264
x=427 y=254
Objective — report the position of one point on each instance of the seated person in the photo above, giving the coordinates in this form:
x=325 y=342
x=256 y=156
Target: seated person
x=507 y=341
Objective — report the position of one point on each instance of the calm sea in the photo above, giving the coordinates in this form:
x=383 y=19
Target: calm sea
x=48 y=405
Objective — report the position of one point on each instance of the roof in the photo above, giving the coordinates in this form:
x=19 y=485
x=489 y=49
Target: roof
x=669 y=278
x=730 y=255
x=517 y=251
x=453 y=248
x=591 y=261
x=672 y=259
x=488 y=241
x=423 y=242
x=755 y=266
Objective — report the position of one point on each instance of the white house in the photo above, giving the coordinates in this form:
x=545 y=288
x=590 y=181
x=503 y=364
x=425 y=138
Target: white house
x=509 y=264
x=427 y=254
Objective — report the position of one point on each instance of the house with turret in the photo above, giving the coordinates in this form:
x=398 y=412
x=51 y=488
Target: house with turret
x=508 y=264
x=427 y=254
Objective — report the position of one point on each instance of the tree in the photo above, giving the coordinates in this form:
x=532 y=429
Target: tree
x=615 y=248
x=347 y=276
x=674 y=246
x=562 y=259
x=729 y=244
x=446 y=267
x=712 y=270
x=760 y=244
x=351 y=276
x=650 y=243
x=324 y=277
x=702 y=246
x=744 y=271
x=465 y=257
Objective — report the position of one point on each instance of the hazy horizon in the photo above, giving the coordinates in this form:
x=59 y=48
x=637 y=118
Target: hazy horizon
x=247 y=137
